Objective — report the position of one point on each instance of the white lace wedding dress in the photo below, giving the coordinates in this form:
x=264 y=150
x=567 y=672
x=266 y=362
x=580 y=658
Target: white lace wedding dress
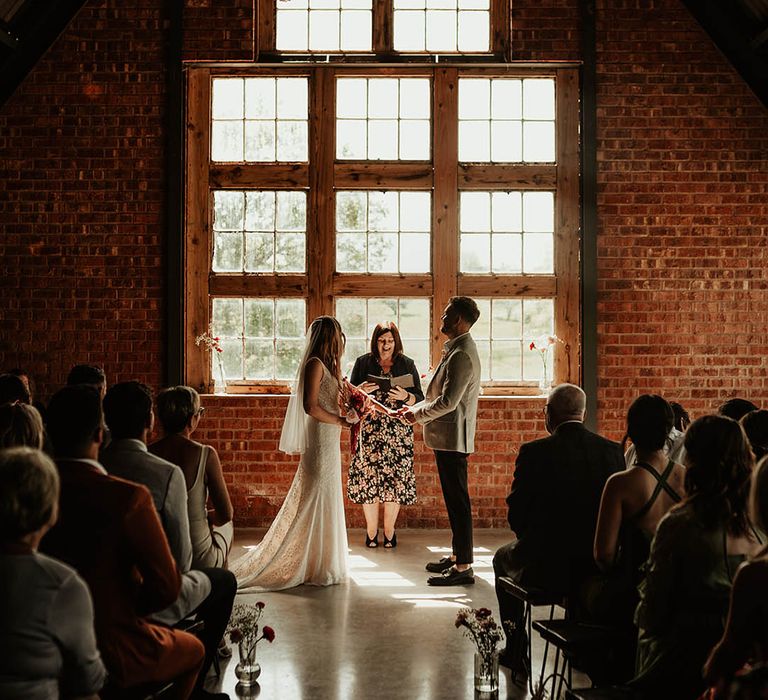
x=307 y=542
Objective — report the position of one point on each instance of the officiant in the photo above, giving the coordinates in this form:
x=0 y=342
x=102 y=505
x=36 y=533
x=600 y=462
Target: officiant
x=381 y=470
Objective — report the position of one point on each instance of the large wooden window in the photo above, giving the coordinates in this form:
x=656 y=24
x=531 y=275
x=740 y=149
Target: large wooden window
x=375 y=192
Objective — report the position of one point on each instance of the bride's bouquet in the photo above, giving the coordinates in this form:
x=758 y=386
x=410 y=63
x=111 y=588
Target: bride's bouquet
x=357 y=405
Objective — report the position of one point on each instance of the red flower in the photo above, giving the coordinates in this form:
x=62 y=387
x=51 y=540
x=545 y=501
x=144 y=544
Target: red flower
x=218 y=350
x=260 y=605
x=532 y=346
x=235 y=636
x=482 y=613
x=216 y=338
x=269 y=634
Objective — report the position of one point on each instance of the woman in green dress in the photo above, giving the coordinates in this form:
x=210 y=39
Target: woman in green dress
x=697 y=548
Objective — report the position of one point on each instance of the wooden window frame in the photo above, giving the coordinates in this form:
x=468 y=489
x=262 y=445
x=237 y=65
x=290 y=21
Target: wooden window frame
x=323 y=175
x=382 y=43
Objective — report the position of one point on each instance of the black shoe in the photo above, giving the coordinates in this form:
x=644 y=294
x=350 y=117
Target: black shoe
x=453 y=577
x=437 y=567
x=390 y=544
x=372 y=543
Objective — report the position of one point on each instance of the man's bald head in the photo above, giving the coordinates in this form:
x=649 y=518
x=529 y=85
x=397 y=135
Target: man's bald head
x=565 y=402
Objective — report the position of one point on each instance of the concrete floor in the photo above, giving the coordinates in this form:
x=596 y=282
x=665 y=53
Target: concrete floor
x=384 y=634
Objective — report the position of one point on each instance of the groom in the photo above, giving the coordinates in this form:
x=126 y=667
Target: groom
x=449 y=414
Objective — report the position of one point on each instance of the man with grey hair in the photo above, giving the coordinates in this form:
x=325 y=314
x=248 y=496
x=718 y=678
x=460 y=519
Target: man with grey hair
x=553 y=510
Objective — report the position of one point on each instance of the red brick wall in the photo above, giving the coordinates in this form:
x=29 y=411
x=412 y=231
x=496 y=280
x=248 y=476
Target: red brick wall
x=683 y=216
x=682 y=268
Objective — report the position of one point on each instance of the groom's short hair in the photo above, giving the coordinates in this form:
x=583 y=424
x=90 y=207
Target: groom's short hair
x=466 y=308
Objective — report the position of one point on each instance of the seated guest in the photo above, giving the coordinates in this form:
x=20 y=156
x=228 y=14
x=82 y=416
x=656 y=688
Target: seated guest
x=633 y=503
x=28 y=382
x=20 y=425
x=745 y=639
x=698 y=546
x=755 y=424
x=47 y=642
x=682 y=419
x=180 y=412
x=209 y=592
x=736 y=408
x=109 y=531
x=553 y=510
x=12 y=389
x=673 y=443
x=91 y=375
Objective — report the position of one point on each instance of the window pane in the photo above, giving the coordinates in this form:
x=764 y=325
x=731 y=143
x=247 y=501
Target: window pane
x=538 y=142
x=382 y=119
x=538 y=252
x=324 y=25
x=260 y=338
x=475 y=252
x=434 y=24
x=227 y=98
x=394 y=231
x=507 y=252
x=538 y=212
x=271 y=124
x=245 y=226
x=358 y=317
x=495 y=120
x=227 y=141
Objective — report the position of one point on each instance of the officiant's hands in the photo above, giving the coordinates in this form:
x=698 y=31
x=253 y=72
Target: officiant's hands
x=368 y=387
x=398 y=393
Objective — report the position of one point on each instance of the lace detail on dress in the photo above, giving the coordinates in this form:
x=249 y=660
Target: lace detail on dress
x=307 y=542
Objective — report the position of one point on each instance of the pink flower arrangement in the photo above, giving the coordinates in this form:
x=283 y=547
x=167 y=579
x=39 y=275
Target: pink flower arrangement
x=211 y=342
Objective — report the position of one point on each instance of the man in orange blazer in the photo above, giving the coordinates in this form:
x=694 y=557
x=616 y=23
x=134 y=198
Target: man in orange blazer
x=109 y=531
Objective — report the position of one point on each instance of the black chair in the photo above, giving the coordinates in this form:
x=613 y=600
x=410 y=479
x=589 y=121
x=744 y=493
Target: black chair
x=531 y=598
x=600 y=694
x=573 y=640
x=146 y=691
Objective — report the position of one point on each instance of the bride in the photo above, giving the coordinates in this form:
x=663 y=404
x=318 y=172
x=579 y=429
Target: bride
x=307 y=542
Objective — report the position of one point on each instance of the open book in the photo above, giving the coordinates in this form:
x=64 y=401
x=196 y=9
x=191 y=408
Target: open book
x=386 y=383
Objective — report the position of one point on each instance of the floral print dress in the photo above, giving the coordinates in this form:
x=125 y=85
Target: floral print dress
x=382 y=464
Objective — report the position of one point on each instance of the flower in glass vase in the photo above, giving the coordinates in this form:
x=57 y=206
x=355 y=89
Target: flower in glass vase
x=482 y=629
x=212 y=343
x=244 y=631
x=543 y=345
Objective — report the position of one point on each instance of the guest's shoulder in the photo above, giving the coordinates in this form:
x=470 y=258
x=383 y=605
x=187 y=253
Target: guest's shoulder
x=605 y=442
x=54 y=572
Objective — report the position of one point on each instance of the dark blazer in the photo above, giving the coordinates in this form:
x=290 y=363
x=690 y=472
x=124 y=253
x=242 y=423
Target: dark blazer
x=367 y=364
x=554 y=504
x=109 y=532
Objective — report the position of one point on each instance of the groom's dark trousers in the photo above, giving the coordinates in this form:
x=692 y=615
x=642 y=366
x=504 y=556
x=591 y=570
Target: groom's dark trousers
x=452 y=468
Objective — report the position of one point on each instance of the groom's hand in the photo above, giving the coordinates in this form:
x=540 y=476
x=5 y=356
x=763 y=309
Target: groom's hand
x=406 y=415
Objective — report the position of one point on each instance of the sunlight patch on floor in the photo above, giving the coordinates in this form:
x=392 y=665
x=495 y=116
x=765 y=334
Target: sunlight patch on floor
x=434 y=600
x=448 y=550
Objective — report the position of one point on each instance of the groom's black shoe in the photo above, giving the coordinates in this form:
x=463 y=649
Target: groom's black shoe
x=453 y=577
x=437 y=567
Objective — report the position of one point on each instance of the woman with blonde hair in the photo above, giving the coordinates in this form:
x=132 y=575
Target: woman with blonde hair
x=21 y=426
x=307 y=541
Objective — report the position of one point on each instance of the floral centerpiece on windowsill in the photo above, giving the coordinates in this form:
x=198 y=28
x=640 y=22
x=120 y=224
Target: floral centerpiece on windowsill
x=213 y=345
x=482 y=629
x=244 y=631
x=543 y=345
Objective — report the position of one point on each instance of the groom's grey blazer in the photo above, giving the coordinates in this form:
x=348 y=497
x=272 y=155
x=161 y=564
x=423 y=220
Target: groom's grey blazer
x=449 y=412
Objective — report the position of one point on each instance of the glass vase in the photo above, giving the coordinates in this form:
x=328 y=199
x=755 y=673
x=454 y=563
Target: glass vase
x=487 y=674
x=247 y=670
x=544 y=383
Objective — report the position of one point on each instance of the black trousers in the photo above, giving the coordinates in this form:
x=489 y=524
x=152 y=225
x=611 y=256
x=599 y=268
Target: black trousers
x=511 y=609
x=214 y=611
x=452 y=469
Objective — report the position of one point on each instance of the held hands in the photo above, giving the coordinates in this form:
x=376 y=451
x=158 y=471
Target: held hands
x=406 y=415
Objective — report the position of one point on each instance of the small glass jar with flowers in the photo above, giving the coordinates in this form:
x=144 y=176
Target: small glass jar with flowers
x=213 y=344
x=543 y=345
x=482 y=629
x=244 y=631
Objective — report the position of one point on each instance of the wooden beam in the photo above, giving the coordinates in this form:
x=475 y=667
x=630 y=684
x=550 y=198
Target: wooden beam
x=382 y=285
x=567 y=357
x=399 y=175
x=255 y=285
x=197 y=222
x=501 y=29
x=507 y=285
x=507 y=177
x=445 y=198
x=383 y=22
x=321 y=211
x=268 y=176
x=266 y=30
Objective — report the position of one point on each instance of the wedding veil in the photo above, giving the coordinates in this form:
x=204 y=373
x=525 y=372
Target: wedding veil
x=293 y=439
